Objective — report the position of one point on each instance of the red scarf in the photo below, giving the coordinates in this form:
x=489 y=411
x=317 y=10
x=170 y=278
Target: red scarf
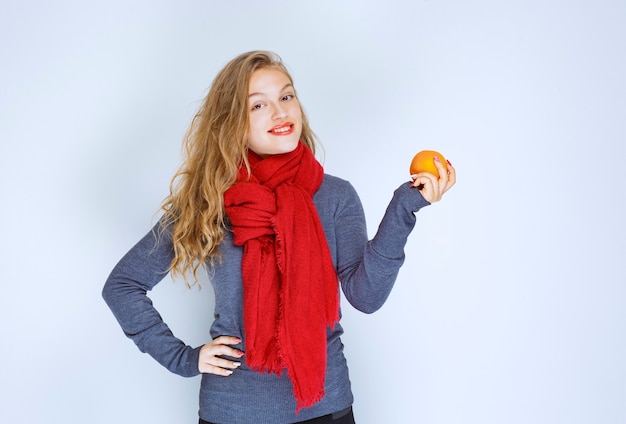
x=291 y=295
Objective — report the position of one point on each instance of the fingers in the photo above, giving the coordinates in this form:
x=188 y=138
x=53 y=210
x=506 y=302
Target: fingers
x=423 y=178
x=428 y=186
x=443 y=172
x=227 y=340
x=431 y=187
x=211 y=359
x=451 y=176
x=221 y=367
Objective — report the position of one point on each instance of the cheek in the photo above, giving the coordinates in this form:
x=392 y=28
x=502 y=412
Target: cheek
x=296 y=113
x=254 y=125
x=252 y=134
x=251 y=120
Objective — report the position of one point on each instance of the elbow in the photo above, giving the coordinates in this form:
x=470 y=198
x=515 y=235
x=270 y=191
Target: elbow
x=368 y=306
x=109 y=292
x=369 y=310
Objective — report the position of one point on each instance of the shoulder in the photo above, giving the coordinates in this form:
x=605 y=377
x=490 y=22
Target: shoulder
x=337 y=196
x=333 y=187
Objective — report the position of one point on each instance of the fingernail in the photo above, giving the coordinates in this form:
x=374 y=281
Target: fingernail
x=448 y=162
x=237 y=364
x=437 y=158
x=229 y=372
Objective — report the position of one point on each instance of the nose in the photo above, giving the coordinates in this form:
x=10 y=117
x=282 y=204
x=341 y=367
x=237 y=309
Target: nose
x=279 y=111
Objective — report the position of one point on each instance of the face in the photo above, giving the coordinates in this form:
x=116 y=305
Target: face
x=274 y=112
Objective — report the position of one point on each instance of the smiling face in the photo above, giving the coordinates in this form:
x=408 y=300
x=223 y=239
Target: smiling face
x=275 y=116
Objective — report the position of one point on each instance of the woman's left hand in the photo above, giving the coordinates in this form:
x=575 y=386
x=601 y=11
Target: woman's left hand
x=433 y=188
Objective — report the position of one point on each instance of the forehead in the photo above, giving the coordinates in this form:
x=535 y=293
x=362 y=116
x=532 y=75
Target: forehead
x=267 y=80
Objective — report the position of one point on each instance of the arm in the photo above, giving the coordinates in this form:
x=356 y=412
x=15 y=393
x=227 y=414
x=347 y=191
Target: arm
x=368 y=269
x=125 y=292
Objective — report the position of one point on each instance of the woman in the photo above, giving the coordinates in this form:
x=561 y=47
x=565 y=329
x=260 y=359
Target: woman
x=253 y=206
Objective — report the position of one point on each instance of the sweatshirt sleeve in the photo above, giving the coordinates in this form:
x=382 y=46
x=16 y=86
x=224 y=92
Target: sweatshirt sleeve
x=125 y=292
x=368 y=269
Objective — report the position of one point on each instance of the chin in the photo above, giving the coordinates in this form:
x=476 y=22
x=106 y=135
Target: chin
x=290 y=147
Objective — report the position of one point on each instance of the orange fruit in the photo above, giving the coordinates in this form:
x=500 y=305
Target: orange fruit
x=424 y=161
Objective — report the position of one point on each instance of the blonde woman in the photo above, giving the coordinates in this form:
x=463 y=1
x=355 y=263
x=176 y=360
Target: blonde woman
x=278 y=237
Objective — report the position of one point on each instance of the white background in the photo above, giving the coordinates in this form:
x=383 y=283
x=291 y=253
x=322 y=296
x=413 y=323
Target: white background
x=511 y=307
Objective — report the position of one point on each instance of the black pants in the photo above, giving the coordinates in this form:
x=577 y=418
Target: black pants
x=341 y=417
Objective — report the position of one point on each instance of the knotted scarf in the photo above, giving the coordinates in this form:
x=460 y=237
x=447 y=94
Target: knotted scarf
x=290 y=285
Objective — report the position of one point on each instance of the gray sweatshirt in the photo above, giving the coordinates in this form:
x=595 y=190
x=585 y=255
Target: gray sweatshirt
x=366 y=270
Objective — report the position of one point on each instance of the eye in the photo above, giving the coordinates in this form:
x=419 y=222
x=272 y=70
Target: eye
x=258 y=106
x=287 y=97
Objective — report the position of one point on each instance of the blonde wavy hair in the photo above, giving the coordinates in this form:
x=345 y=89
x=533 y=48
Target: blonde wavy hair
x=215 y=146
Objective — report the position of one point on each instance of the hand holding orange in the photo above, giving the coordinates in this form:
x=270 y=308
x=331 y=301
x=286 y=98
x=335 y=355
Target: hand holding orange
x=424 y=161
x=432 y=175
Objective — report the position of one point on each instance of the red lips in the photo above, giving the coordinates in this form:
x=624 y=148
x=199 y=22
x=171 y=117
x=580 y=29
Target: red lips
x=282 y=129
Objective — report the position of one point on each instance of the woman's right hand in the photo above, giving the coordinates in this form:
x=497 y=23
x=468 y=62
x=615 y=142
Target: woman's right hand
x=209 y=361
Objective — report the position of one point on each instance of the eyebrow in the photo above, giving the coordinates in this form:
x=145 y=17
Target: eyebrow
x=263 y=94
